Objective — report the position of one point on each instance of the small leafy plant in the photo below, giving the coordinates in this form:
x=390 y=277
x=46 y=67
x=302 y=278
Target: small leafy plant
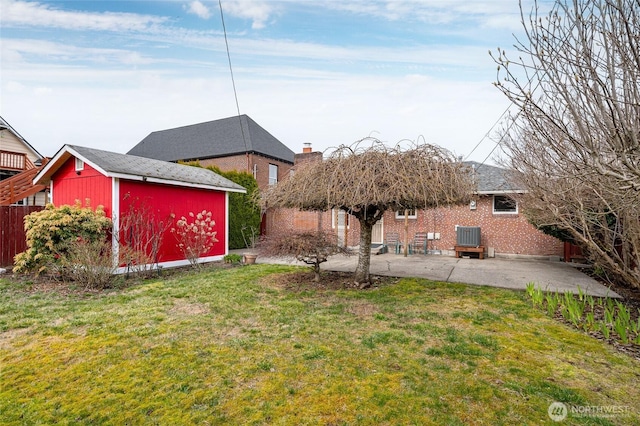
x=535 y=294
x=250 y=236
x=609 y=317
x=232 y=258
x=195 y=236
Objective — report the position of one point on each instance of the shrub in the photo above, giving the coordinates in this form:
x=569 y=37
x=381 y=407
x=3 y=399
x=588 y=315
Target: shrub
x=52 y=231
x=310 y=247
x=232 y=258
x=246 y=212
x=90 y=263
x=140 y=237
x=195 y=238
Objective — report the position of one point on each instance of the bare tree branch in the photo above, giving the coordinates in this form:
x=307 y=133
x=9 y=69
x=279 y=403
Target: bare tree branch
x=575 y=139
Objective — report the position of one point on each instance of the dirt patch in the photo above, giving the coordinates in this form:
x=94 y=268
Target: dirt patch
x=329 y=280
x=184 y=308
x=362 y=309
x=6 y=337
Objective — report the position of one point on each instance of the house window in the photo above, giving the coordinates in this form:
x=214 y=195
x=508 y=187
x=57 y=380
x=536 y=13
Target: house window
x=79 y=164
x=412 y=214
x=273 y=174
x=503 y=204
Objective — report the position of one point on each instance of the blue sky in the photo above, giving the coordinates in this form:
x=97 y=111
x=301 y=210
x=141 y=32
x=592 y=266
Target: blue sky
x=105 y=74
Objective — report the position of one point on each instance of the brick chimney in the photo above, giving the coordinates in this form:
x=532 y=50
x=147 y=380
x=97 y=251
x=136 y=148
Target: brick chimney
x=307 y=155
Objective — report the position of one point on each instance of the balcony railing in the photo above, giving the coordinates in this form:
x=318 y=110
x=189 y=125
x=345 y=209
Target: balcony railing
x=15 y=161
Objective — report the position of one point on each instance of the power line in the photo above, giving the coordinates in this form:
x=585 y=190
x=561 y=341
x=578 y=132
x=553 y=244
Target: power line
x=486 y=135
x=233 y=82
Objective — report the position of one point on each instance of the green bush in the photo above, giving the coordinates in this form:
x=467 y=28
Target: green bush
x=232 y=258
x=245 y=212
x=52 y=231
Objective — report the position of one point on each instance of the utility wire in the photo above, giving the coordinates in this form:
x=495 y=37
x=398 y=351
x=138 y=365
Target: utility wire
x=233 y=82
x=512 y=122
x=486 y=135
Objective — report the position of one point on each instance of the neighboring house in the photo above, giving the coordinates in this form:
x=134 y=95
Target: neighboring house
x=505 y=231
x=19 y=162
x=122 y=183
x=234 y=143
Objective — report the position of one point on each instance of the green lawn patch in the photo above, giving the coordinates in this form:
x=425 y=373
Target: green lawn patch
x=232 y=346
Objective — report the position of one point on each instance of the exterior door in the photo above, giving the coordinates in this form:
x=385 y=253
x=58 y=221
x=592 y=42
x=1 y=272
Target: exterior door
x=342 y=225
x=376 y=233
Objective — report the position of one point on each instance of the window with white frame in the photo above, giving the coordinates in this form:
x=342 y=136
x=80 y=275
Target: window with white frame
x=273 y=174
x=411 y=214
x=503 y=204
x=79 y=164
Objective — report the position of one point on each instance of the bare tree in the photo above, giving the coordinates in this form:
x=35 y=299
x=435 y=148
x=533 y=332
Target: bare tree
x=574 y=141
x=368 y=178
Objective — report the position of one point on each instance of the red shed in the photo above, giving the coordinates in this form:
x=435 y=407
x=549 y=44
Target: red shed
x=123 y=183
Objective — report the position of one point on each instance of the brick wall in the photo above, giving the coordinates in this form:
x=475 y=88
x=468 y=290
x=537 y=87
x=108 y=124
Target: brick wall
x=505 y=233
x=261 y=163
x=280 y=221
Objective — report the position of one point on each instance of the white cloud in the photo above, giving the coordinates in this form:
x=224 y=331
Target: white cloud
x=198 y=8
x=40 y=91
x=14 y=87
x=329 y=111
x=47 y=51
x=434 y=11
x=258 y=11
x=299 y=91
x=17 y=13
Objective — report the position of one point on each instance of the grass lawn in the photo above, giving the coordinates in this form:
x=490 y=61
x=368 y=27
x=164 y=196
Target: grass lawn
x=232 y=346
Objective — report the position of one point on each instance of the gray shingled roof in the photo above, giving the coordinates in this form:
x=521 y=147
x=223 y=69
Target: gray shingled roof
x=130 y=165
x=492 y=179
x=219 y=138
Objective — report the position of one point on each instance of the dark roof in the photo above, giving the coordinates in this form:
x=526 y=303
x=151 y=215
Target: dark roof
x=219 y=138
x=492 y=179
x=5 y=125
x=139 y=168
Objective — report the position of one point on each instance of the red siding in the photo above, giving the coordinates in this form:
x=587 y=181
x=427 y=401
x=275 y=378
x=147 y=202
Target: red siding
x=165 y=200
x=89 y=184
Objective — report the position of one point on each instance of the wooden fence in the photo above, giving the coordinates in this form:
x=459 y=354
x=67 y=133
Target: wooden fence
x=12 y=235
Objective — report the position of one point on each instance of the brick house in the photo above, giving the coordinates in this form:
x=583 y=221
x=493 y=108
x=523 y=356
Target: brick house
x=505 y=231
x=234 y=143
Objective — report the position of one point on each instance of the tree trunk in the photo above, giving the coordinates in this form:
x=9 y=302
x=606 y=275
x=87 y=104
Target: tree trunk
x=316 y=271
x=362 y=277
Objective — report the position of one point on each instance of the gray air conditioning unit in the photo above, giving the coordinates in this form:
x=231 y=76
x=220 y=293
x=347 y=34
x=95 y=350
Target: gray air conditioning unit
x=468 y=236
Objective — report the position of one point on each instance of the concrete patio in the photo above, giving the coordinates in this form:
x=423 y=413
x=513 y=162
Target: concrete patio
x=497 y=272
